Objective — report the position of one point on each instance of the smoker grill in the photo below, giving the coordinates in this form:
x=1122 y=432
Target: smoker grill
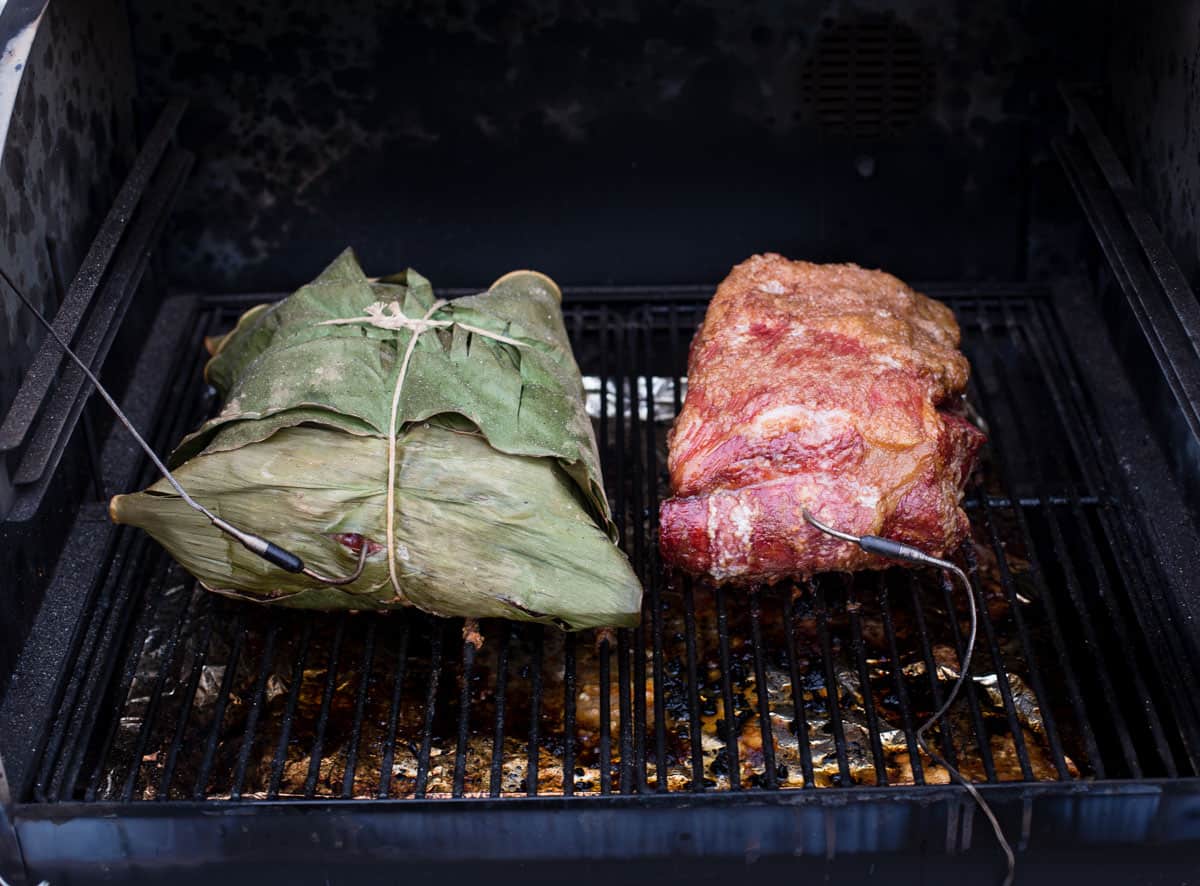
x=154 y=730
x=201 y=698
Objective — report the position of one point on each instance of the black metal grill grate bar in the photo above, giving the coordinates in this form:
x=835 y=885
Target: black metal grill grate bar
x=605 y=721
x=799 y=725
x=464 y=717
x=364 y=686
x=289 y=713
x=498 y=741
x=175 y=694
x=864 y=682
x=930 y=665
x=256 y=706
x=893 y=652
x=693 y=680
x=971 y=691
x=833 y=689
x=389 y=744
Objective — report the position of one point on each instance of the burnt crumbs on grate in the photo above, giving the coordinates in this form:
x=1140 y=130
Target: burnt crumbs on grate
x=214 y=699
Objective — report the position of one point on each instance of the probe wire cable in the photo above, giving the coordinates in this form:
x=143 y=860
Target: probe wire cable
x=886 y=547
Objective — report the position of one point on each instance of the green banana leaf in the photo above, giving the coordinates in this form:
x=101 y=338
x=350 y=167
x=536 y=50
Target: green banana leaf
x=500 y=509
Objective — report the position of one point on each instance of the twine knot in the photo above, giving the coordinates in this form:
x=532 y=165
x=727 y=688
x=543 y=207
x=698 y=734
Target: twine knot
x=389 y=315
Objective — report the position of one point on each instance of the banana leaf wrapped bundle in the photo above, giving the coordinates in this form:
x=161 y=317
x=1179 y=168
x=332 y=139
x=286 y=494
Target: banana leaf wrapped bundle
x=474 y=408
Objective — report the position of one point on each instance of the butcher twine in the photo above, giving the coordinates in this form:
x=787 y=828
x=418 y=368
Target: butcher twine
x=390 y=316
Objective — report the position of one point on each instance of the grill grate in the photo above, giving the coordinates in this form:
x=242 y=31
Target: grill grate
x=178 y=694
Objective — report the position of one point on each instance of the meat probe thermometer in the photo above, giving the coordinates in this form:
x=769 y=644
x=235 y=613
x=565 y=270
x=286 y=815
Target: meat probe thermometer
x=255 y=544
x=895 y=550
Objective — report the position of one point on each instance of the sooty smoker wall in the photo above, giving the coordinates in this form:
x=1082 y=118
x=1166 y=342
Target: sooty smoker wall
x=70 y=141
x=1155 y=85
x=614 y=142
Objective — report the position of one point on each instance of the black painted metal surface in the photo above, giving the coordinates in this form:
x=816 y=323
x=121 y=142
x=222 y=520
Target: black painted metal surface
x=40 y=421
x=49 y=423
x=1123 y=835
x=1141 y=285
x=69 y=142
x=610 y=143
x=1152 y=113
x=68 y=145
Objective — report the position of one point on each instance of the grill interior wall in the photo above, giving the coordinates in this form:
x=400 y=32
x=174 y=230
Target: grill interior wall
x=175 y=693
x=308 y=121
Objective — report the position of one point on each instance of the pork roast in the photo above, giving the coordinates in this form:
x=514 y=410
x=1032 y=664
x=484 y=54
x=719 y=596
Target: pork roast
x=829 y=387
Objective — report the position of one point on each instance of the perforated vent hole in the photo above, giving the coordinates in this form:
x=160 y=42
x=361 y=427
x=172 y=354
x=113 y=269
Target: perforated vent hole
x=869 y=78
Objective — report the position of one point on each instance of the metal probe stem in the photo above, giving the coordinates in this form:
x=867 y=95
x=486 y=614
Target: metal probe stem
x=887 y=548
x=349 y=579
x=827 y=529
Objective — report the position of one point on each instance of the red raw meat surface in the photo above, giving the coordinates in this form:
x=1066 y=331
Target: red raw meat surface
x=829 y=387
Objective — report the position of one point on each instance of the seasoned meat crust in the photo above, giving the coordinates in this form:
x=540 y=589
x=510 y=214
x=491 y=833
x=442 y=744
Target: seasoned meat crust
x=822 y=386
